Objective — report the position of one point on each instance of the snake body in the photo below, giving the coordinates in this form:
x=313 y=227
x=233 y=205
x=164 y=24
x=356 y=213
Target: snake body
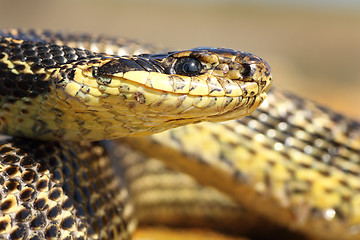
x=60 y=92
x=292 y=161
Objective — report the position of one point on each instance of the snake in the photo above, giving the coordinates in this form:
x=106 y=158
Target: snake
x=292 y=163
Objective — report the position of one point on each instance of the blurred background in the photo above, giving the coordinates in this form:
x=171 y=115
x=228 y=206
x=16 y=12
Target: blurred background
x=313 y=46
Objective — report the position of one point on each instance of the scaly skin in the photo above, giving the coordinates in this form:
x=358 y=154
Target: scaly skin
x=292 y=161
x=62 y=190
x=56 y=92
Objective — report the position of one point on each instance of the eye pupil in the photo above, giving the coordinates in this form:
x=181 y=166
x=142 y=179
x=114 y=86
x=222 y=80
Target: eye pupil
x=187 y=66
x=190 y=67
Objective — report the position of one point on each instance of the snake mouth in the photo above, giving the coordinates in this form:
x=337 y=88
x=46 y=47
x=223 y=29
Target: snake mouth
x=128 y=96
x=153 y=122
x=233 y=86
x=226 y=91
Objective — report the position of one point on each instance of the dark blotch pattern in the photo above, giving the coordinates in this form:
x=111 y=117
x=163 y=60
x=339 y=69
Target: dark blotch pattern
x=119 y=65
x=38 y=55
x=47 y=188
x=150 y=66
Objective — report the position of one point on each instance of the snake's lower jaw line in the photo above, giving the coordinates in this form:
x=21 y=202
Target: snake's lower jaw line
x=250 y=105
x=253 y=102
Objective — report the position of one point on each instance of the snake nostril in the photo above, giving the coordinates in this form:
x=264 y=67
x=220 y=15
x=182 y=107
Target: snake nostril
x=247 y=70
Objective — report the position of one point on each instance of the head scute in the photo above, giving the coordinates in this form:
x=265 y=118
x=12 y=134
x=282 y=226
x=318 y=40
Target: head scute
x=119 y=65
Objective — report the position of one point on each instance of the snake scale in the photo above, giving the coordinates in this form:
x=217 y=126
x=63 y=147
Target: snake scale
x=293 y=163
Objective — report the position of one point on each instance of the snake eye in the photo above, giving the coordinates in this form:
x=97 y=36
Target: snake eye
x=187 y=66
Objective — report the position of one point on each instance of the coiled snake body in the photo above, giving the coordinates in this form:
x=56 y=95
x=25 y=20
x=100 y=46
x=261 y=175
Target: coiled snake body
x=292 y=161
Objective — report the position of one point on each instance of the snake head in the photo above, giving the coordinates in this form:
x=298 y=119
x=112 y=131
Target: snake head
x=55 y=91
x=145 y=94
x=223 y=83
